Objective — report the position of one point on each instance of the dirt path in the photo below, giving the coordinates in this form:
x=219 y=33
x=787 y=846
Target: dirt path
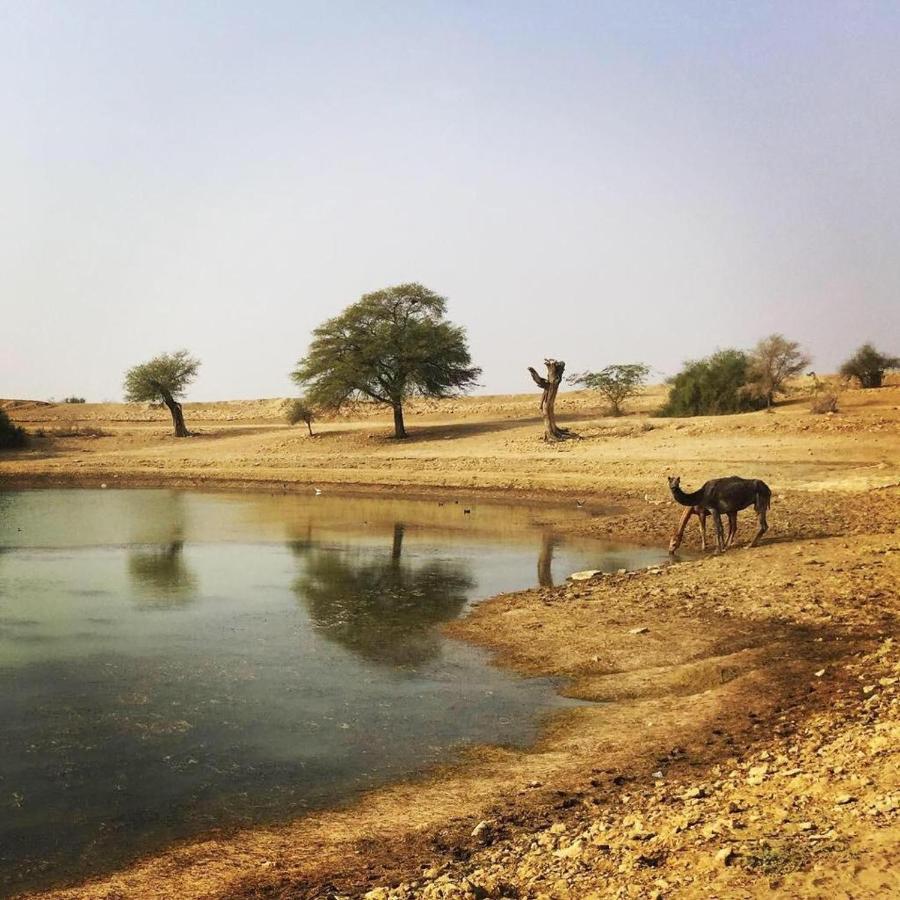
x=746 y=739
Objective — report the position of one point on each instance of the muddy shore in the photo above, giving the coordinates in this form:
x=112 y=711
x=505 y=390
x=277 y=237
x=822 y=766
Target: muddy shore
x=745 y=734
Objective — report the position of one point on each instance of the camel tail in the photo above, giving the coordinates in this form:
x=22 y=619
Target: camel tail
x=763 y=497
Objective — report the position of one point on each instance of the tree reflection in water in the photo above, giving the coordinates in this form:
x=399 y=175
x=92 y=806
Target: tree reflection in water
x=162 y=576
x=381 y=608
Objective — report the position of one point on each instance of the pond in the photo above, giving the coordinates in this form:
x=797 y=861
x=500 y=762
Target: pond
x=174 y=662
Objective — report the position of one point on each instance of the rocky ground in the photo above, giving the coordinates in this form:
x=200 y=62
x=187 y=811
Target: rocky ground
x=742 y=734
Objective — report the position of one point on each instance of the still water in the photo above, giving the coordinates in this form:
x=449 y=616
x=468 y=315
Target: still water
x=173 y=662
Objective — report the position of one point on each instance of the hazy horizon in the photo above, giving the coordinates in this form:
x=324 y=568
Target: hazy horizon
x=600 y=182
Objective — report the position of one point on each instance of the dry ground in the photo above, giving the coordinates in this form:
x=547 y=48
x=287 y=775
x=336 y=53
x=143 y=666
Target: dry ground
x=747 y=739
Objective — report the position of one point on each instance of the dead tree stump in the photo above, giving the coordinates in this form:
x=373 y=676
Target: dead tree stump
x=550 y=386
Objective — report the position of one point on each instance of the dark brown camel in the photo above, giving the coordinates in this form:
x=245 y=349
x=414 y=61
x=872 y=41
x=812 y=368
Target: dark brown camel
x=727 y=496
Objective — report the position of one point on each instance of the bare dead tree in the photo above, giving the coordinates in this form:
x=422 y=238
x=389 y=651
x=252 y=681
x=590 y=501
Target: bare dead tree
x=550 y=386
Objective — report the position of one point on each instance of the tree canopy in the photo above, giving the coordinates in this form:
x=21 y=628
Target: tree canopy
x=163 y=379
x=616 y=382
x=773 y=361
x=711 y=386
x=390 y=345
x=868 y=366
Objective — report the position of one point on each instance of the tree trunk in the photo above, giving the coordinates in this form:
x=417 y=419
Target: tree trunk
x=177 y=415
x=399 y=427
x=550 y=385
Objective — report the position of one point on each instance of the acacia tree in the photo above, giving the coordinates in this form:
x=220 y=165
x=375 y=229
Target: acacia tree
x=163 y=380
x=868 y=366
x=773 y=361
x=390 y=345
x=617 y=382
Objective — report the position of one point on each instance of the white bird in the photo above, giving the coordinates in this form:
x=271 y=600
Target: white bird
x=317 y=492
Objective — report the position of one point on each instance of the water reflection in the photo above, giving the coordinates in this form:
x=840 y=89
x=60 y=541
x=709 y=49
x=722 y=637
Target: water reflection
x=378 y=606
x=161 y=575
x=549 y=542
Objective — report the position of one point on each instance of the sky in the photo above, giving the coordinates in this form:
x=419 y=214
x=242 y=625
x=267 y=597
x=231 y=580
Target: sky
x=601 y=182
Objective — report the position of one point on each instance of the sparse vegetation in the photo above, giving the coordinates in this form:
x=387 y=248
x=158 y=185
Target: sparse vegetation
x=300 y=411
x=773 y=362
x=616 y=383
x=163 y=380
x=712 y=386
x=388 y=346
x=74 y=400
x=868 y=366
x=11 y=435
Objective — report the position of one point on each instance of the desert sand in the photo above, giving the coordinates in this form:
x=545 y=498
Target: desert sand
x=746 y=738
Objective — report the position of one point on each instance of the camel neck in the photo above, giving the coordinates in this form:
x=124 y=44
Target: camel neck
x=686 y=499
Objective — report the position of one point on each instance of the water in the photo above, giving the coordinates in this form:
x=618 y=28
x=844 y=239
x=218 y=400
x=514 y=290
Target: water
x=174 y=662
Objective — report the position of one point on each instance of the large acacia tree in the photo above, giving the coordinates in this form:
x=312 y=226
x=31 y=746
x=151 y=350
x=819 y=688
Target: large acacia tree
x=388 y=346
x=163 y=380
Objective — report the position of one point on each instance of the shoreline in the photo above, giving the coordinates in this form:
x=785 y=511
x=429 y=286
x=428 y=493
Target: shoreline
x=743 y=654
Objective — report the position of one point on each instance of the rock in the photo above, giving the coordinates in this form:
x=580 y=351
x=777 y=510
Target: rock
x=725 y=856
x=844 y=799
x=586 y=575
x=643 y=629
x=573 y=851
x=757 y=774
x=483 y=831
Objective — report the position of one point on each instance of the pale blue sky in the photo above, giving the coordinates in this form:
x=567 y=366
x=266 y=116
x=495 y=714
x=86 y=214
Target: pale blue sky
x=602 y=182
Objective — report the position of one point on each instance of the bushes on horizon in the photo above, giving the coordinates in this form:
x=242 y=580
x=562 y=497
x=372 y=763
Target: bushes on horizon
x=868 y=366
x=712 y=386
x=74 y=400
x=11 y=435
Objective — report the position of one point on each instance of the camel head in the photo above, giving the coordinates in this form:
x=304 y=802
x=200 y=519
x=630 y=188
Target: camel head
x=674 y=481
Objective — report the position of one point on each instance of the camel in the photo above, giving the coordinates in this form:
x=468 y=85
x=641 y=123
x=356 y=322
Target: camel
x=701 y=514
x=727 y=496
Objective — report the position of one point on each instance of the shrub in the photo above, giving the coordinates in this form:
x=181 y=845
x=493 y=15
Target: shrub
x=300 y=411
x=712 y=386
x=868 y=366
x=824 y=403
x=74 y=400
x=11 y=436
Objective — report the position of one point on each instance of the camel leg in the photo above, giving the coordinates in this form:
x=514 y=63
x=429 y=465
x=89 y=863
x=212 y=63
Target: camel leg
x=720 y=531
x=763 y=528
x=732 y=529
x=678 y=536
x=701 y=515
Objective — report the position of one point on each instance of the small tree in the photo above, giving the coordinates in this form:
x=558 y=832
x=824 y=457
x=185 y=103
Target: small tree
x=617 y=383
x=300 y=411
x=868 y=366
x=11 y=436
x=390 y=345
x=163 y=380
x=711 y=386
x=773 y=361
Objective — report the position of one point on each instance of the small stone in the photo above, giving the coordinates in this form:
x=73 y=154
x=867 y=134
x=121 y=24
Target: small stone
x=586 y=575
x=573 y=851
x=482 y=831
x=820 y=673
x=844 y=799
x=725 y=855
x=643 y=629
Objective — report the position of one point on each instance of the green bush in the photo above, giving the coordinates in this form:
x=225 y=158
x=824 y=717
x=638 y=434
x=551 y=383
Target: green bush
x=11 y=435
x=712 y=386
x=868 y=366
